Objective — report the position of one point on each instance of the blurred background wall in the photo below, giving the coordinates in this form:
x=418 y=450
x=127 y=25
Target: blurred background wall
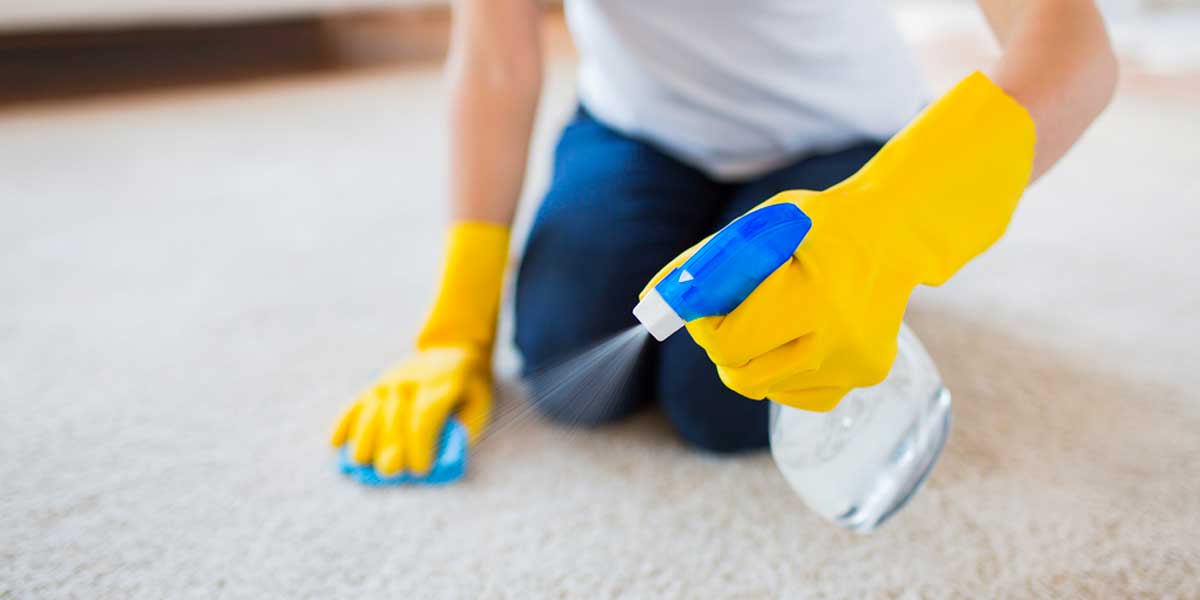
x=30 y=15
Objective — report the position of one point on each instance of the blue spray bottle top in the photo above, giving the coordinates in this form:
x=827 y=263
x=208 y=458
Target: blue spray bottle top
x=724 y=271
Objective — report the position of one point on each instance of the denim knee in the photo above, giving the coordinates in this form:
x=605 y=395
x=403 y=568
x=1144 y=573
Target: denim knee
x=557 y=320
x=567 y=387
x=705 y=413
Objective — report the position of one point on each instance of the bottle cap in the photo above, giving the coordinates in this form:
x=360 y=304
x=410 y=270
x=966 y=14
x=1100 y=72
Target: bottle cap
x=657 y=316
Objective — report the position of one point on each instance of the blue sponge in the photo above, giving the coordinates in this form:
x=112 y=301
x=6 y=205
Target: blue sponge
x=449 y=466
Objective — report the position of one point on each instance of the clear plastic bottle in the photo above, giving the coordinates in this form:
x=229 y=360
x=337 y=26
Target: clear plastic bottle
x=859 y=463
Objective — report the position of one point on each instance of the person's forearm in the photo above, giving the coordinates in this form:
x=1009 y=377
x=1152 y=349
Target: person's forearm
x=495 y=75
x=1058 y=63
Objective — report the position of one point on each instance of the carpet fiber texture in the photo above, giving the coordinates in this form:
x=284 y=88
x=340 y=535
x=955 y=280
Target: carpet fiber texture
x=193 y=285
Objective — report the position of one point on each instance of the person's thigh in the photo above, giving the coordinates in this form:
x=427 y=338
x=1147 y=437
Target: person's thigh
x=705 y=412
x=616 y=211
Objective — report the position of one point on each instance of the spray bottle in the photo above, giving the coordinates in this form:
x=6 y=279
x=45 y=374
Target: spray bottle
x=857 y=464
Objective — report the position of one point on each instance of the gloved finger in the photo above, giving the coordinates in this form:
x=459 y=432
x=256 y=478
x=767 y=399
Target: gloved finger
x=365 y=431
x=793 y=196
x=431 y=406
x=759 y=376
x=342 y=430
x=389 y=453
x=786 y=306
x=820 y=399
x=476 y=407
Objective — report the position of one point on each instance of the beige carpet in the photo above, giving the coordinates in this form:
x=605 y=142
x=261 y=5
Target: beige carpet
x=192 y=285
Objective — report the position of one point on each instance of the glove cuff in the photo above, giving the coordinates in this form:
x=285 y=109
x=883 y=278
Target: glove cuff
x=468 y=297
x=949 y=182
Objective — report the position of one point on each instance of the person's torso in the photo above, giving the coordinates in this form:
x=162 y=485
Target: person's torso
x=737 y=87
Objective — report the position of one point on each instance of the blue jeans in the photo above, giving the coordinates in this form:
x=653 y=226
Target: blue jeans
x=618 y=210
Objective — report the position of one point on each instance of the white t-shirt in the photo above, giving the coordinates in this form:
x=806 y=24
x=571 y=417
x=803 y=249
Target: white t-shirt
x=739 y=87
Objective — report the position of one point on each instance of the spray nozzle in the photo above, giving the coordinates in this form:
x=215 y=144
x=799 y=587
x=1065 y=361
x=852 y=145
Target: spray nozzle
x=725 y=270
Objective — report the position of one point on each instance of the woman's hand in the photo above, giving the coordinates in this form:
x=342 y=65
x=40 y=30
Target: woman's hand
x=939 y=193
x=395 y=424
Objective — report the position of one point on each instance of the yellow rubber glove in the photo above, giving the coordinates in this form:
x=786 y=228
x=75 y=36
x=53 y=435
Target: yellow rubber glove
x=938 y=194
x=395 y=425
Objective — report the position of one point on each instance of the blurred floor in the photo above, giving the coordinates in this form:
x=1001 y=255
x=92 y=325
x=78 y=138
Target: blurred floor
x=209 y=241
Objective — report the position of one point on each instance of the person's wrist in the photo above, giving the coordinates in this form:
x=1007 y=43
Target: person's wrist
x=464 y=313
x=944 y=188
